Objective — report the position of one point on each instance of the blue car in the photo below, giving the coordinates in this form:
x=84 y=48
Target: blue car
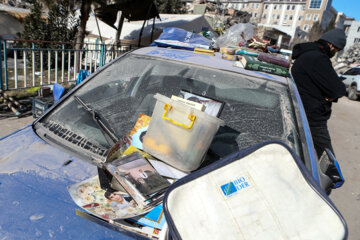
x=65 y=145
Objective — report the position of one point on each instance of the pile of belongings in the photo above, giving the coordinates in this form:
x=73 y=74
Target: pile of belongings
x=238 y=44
x=140 y=167
x=258 y=61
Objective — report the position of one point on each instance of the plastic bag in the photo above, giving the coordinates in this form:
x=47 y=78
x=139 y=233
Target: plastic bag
x=82 y=75
x=58 y=92
x=180 y=38
x=241 y=32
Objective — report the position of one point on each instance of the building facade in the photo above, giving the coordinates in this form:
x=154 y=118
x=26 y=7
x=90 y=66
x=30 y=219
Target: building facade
x=287 y=19
x=352 y=30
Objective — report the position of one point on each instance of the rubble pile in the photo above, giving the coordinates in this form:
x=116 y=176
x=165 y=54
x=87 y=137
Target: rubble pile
x=10 y=107
x=351 y=56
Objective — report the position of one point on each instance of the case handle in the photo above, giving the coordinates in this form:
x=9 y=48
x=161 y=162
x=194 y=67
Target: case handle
x=192 y=118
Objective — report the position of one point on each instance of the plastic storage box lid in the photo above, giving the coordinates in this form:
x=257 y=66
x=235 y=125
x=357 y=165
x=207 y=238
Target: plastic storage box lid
x=179 y=134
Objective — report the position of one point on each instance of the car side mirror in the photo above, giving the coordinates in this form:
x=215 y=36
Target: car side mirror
x=330 y=172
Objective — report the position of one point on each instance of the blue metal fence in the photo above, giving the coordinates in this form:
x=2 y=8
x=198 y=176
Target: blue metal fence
x=26 y=67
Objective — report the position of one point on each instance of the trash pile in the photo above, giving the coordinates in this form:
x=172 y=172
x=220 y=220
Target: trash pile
x=11 y=107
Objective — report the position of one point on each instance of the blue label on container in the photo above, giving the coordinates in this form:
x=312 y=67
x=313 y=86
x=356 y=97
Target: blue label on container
x=234 y=186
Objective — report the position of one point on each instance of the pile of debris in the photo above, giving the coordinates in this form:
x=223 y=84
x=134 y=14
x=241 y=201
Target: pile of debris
x=351 y=56
x=10 y=107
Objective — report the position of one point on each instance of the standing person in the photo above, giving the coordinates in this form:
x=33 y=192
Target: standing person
x=318 y=84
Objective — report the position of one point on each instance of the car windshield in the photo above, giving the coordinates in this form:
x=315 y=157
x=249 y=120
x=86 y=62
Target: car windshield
x=255 y=110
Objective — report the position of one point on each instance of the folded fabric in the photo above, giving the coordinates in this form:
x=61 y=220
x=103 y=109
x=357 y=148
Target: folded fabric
x=180 y=38
x=273 y=59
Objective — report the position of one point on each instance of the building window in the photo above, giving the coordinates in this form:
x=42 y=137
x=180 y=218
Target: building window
x=266 y=6
x=275 y=6
x=245 y=5
x=308 y=16
x=278 y=16
x=257 y=5
x=288 y=7
x=316 y=17
x=273 y=16
x=300 y=18
x=315 y=4
x=356 y=40
x=252 y=5
x=293 y=7
x=291 y=18
x=358 y=29
x=264 y=16
x=306 y=27
x=285 y=18
x=255 y=14
x=303 y=7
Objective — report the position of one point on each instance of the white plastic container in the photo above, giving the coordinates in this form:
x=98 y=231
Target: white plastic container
x=178 y=134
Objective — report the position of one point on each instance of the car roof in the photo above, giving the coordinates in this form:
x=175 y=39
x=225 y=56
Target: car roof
x=215 y=62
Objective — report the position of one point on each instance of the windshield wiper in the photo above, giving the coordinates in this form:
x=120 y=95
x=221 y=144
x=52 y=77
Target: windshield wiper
x=108 y=134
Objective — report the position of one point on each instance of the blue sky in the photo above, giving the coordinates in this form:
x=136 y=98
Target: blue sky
x=351 y=8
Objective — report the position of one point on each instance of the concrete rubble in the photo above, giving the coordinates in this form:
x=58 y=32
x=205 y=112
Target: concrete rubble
x=349 y=58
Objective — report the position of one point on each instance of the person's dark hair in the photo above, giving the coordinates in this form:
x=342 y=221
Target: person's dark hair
x=108 y=192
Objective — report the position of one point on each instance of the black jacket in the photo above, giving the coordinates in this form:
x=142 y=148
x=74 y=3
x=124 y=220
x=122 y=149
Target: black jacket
x=316 y=80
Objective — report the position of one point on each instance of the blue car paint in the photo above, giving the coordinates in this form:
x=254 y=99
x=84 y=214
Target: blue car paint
x=34 y=201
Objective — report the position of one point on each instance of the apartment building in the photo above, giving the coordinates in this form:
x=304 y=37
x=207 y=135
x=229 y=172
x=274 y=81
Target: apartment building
x=352 y=30
x=286 y=19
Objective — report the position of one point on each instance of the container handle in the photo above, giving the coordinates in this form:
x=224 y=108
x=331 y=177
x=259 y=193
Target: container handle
x=192 y=118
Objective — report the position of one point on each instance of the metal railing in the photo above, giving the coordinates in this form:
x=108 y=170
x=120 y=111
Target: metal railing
x=26 y=67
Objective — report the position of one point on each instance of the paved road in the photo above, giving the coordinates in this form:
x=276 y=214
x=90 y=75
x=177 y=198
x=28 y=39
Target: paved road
x=345 y=132
x=344 y=127
x=9 y=125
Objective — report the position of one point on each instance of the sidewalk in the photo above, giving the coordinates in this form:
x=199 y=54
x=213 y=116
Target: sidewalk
x=9 y=125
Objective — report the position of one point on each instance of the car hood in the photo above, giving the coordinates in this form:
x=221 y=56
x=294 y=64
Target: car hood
x=34 y=201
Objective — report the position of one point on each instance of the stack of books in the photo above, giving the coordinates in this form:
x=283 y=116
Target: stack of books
x=139 y=179
x=252 y=63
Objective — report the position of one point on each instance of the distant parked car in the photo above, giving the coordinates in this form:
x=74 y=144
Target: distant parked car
x=352 y=82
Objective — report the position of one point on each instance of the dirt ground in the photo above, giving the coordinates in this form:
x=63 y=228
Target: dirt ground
x=345 y=133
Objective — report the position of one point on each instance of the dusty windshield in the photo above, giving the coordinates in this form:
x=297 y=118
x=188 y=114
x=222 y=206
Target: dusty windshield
x=254 y=111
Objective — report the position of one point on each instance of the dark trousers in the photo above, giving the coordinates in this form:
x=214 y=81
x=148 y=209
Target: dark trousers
x=321 y=139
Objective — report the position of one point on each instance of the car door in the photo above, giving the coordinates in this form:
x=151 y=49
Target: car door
x=356 y=78
x=348 y=75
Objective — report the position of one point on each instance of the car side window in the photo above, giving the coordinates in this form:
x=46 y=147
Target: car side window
x=349 y=72
x=357 y=71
